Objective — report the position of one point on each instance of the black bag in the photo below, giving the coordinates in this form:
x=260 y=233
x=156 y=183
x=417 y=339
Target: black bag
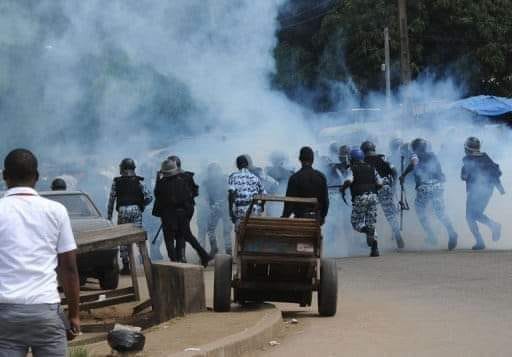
x=126 y=341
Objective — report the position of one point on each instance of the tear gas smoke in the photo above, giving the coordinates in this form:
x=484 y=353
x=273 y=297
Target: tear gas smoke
x=87 y=83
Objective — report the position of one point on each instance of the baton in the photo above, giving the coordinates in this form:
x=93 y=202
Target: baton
x=156 y=235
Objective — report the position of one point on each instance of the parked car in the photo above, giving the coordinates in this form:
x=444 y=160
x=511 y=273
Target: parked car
x=85 y=216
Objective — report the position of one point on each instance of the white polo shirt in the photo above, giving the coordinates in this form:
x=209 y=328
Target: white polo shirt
x=33 y=230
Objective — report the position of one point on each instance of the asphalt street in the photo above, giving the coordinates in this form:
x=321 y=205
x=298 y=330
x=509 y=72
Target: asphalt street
x=410 y=304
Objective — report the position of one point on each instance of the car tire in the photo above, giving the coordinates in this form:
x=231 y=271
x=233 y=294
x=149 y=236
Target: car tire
x=109 y=278
x=222 y=283
x=328 y=288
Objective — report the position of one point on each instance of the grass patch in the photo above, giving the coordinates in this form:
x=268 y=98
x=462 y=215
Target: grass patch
x=79 y=352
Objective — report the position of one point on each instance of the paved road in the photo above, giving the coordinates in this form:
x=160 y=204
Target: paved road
x=411 y=304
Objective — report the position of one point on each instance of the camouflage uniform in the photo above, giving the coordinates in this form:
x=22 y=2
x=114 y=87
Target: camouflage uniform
x=432 y=192
x=386 y=196
x=127 y=214
x=218 y=212
x=364 y=212
x=130 y=214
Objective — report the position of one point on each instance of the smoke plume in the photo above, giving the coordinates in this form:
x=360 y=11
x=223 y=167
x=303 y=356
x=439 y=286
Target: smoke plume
x=87 y=83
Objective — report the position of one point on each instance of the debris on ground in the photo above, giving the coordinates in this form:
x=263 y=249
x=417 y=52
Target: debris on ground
x=124 y=338
x=274 y=343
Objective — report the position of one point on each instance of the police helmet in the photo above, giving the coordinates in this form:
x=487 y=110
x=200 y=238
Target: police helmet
x=472 y=145
x=419 y=145
x=367 y=147
x=59 y=184
x=334 y=148
x=356 y=155
x=277 y=158
x=395 y=144
x=214 y=168
x=127 y=164
x=344 y=151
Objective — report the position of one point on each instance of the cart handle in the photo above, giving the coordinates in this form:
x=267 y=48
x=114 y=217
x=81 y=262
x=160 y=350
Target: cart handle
x=265 y=198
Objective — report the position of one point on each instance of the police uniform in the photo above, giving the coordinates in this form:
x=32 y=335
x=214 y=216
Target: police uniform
x=281 y=175
x=386 y=194
x=481 y=175
x=364 y=180
x=215 y=187
x=429 y=179
x=130 y=196
x=175 y=193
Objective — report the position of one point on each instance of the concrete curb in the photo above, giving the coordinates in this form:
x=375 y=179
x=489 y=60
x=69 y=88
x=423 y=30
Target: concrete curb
x=243 y=342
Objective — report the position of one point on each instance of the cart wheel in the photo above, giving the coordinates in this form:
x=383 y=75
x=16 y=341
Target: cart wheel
x=328 y=289
x=222 y=283
x=109 y=277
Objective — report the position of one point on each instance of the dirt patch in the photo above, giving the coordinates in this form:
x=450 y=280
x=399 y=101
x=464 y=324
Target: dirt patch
x=192 y=331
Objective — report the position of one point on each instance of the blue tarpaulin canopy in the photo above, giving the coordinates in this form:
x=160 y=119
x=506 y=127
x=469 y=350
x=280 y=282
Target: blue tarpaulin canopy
x=486 y=105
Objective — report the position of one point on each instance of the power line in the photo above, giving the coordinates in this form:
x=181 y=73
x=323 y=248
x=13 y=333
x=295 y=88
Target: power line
x=314 y=8
x=302 y=22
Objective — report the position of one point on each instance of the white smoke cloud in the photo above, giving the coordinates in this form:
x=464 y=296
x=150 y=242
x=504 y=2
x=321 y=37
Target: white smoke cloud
x=95 y=81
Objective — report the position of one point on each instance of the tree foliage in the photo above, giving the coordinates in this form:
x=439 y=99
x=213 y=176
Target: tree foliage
x=465 y=39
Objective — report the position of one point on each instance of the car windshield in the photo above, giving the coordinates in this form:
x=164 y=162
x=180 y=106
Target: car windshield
x=78 y=206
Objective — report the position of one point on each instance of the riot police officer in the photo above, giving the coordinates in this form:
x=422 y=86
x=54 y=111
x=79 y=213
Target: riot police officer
x=429 y=178
x=364 y=183
x=130 y=196
x=386 y=193
x=481 y=175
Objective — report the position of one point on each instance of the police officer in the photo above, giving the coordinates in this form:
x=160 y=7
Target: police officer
x=429 y=178
x=328 y=165
x=215 y=186
x=194 y=188
x=130 y=196
x=344 y=160
x=278 y=171
x=386 y=193
x=481 y=174
x=395 y=152
x=364 y=183
x=58 y=184
x=307 y=183
x=270 y=185
x=174 y=194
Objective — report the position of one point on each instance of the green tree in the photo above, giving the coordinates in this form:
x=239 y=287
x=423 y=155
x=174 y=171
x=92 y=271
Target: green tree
x=468 y=40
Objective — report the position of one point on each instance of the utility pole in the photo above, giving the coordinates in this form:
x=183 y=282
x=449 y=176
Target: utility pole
x=387 y=68
x=405 y=58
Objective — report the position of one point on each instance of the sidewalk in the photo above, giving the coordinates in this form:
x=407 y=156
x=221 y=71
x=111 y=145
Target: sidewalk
x=208 y=333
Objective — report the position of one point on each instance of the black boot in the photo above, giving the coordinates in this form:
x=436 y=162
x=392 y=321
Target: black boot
x=375 y=249
x=180 y=255
x=452 y=240
x=206 y=259
x=480 y=245
x=204 y=256
x=370 y=236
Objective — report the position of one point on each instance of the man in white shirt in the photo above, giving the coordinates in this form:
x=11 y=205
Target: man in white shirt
x=36 y=242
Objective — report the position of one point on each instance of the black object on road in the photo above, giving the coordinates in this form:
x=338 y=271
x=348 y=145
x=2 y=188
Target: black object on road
x=126 y=340
x=403 y=205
